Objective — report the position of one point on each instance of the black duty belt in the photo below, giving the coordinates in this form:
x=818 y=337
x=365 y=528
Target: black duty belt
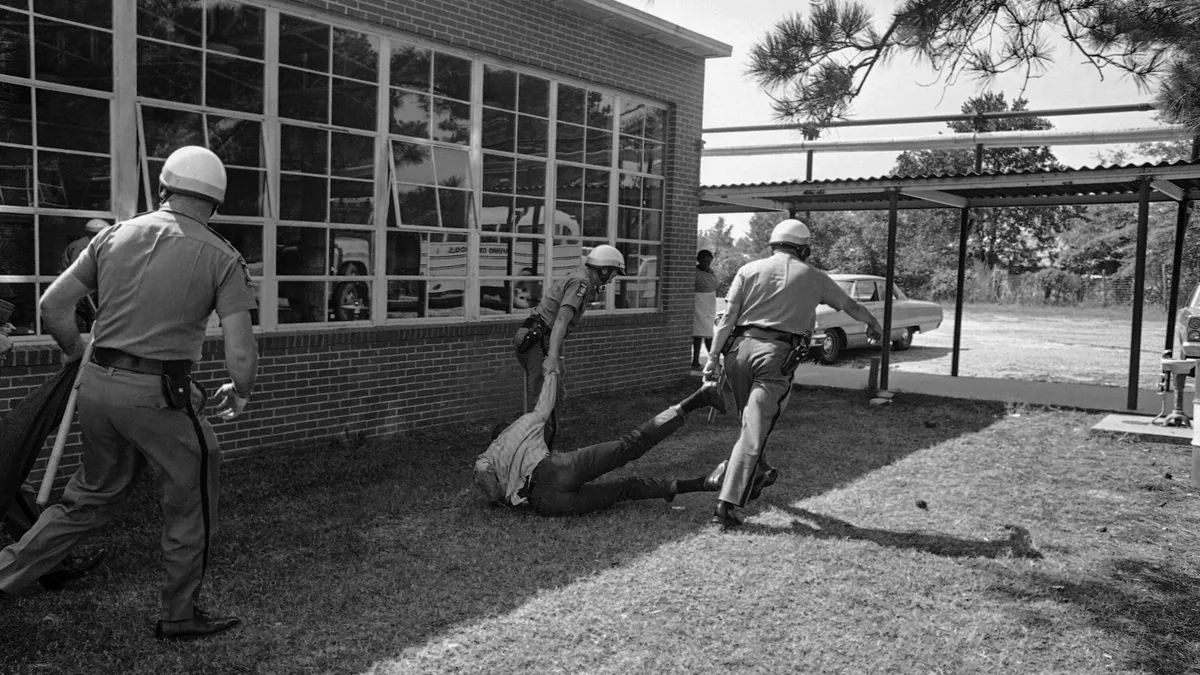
x=760 y=333
x=115 y=358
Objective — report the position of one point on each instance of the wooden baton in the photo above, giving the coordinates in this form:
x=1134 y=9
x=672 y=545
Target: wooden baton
x=64 y=428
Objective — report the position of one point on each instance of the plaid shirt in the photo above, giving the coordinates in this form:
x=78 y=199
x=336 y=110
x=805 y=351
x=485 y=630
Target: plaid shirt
x=519 y=448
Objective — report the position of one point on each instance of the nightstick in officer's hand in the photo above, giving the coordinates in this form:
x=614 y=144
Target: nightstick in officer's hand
x=228 y=403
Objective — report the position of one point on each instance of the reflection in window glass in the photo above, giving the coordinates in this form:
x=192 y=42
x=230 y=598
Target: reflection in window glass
x=303 y=43
x=237 y=142
x=355 y=55
x=351 y=252
x=172 y=20
x=452 y=76
x=419 y=299
x=410 y=114
x=499 y=130
x=16 y=176
x=351 y=201
x=453 y=167
x=14 y=35
x=302 y=198
x=302 y=302
x=247 y=239
x=303 y=95
x=352 y=156
x=498 y=173
x=73 y=55
x=532 y=136
x=73 y=181
x=72 y=122
x=168 y=72
x=413 y=163
x=455 y=207
x=599 y=110
x=98 y=14
x=411 y=67
x=535 y=96
x=60 y=241
x=571 y=104
x=244 y=193
x=599 y=147
x=235 y=29
x=354 y=104
x=233 y=84
x=499 y=87
x=301 y=251
x=303 y=149
x=23 y=298
x=452 y=121
x=418 y=205
x=167 y=130
x=15 y=110
x=16 y=244
x=569 y=143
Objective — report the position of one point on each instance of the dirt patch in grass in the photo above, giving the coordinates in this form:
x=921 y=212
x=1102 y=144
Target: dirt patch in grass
x=1040 y=548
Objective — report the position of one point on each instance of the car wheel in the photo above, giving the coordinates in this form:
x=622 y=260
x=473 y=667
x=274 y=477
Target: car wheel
x=350 y=301
x=831 y=346
x=904 y=342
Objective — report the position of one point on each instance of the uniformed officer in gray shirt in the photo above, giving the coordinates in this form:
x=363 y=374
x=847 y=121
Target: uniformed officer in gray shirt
x=159 y=277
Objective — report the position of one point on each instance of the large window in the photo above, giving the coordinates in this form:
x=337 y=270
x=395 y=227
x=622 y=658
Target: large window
x=56 y=92
x=372 y=178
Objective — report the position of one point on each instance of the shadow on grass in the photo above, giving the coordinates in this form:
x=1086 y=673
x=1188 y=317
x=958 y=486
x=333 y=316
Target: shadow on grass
x=341 y=555
x=818 y=526
x=1154 y=608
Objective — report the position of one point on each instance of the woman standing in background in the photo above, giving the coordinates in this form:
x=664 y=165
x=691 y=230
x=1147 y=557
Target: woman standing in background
x=706 y=306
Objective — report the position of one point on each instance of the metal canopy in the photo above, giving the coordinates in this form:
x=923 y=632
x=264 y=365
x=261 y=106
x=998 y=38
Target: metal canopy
x=1100 y=185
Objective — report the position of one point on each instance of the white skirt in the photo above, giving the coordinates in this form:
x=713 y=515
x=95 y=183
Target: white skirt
x=705 y=315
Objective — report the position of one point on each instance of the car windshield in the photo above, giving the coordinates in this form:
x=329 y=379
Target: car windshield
x=846 y=286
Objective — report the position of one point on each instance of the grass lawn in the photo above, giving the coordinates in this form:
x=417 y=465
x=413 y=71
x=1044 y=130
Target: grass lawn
x=1042 y=549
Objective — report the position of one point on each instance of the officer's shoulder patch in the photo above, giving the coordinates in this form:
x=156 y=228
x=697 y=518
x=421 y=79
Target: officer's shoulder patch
x=245 y=270
x=581 y=290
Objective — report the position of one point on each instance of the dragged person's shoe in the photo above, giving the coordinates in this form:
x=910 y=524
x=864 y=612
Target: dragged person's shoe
x=764 y=480
x=725 y=517
x=71 y=568
x=671 y=492
x=711 y=395
x=716 y=479
x=201 y=625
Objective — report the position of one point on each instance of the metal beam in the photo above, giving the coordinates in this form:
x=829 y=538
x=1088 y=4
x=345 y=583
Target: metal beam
x=1169 y=189
x=889 y=279
x=767 y=204
x=937 y=197
x=1139 y=292
x=964 y=228
x=1181 y=221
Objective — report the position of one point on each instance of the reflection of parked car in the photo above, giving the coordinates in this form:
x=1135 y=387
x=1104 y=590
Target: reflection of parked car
x=1187 y=327
x=836 y=330
x=351 y=300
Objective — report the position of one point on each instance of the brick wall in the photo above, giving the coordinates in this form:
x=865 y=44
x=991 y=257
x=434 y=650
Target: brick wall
x=393 y=379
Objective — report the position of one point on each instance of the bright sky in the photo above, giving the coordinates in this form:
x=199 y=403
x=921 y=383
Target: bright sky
x=899 y=88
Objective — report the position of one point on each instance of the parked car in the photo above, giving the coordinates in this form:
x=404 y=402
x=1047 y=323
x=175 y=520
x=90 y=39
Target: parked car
x=1187 y=327
x=836 y=331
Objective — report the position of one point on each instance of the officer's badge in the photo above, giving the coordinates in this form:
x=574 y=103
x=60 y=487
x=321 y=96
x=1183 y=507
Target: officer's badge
x=581 y=291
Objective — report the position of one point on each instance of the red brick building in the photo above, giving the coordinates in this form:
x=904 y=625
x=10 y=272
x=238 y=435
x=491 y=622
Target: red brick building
x=405 y=177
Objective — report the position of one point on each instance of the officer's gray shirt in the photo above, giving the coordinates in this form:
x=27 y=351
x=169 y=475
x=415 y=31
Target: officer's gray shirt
x=781 y=292
x=160 y=276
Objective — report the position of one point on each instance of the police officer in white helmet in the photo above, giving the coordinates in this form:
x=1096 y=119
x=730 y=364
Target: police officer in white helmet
x=763 y=334
x=159 y=277
x=539 y=340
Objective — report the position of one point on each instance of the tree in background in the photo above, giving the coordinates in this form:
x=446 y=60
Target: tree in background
x=814 y=66
x=726 y=256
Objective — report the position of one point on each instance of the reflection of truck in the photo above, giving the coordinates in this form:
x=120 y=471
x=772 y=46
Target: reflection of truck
x=350 y=300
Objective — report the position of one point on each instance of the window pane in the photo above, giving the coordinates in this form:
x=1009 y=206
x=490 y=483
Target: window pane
x=235 y=29
x=74 y=181
x=243 y=196
x=410 y=114
x=167 y=130
x=406 y=253
x=599 y=147
x=596 y=183
x=498 y=214
x=630 y=191
x=72 y=55
x=652 y=225
x=60 y=241
x=168 y=72
x=418 y=205
x=23 y=297
x=531 y=178
x=452 y=121
x=453 y=167
x=535 y=96
x=98 y=14
x=652 y=161
x=568 y=219
x=354 y=104
x=303 y=96
x=16 y=176
x=595 y=220
x=629 y=157
x=452 y=77
x=532 y=136
x=352 y=252
x=652 y=193
x=455 y=206
x=530 y=216
x=14 y=44
x=637 y=294
x=303 y=149
x=234 y=84
x=302 y=198
x=411 y=67
x=499 y=130
x=355 y=55
x=570 y=104
x=301 y=251
x=16 y=245
x=656 y=124
x=247 y=239
x=416 y=299
x=302 y=302
x=599 y=110
x=498 y=173
x=628 y=223
x=569 y=144
x=15 y=110
x=237 y=142
x=303 y=43
x=350 y=301
x=414 y=163
x=570 y=182
x=351 y=201
x=173 y=20
x=352 y=156
x=499 y=87
x=633 y=116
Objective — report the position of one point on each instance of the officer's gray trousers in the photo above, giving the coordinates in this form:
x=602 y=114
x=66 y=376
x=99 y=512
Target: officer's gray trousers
x=126 y=424
x=761 y=391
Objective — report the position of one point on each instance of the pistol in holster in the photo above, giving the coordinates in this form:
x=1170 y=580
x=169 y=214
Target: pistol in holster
x=177 y=384
x=800 y=343
x=537 y=334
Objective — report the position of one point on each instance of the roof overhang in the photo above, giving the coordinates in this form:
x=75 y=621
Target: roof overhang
x=1101 y=185
x=624 y=18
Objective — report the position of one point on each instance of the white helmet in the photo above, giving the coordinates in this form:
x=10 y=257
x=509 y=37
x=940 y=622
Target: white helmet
x=790 y=231
x=606 y=256
x=95 y=225
x=196 y=172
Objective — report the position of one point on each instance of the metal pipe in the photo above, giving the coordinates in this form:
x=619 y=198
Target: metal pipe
x=964 y=228
x=991 y=139
x=889 y=280
x=1139 y=291
x=883 y=121
x=1181 y=221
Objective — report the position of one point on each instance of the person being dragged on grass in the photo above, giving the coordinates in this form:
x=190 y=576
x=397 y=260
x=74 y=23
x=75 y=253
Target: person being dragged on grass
x=518 y=468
